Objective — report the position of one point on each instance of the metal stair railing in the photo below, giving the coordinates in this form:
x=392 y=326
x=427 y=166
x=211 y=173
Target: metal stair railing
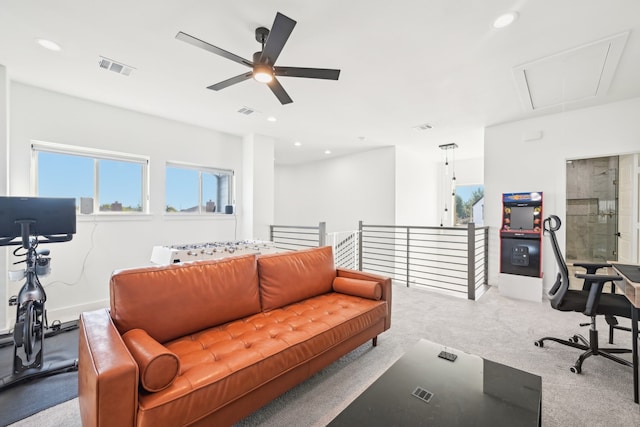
x=294 y=237
x=449 y=259
x=345 y=248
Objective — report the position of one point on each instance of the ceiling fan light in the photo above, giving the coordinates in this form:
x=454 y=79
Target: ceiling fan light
x=262 y=74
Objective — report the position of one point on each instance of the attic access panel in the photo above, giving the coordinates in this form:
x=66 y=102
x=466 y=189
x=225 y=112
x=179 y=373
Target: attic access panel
x=569 y=76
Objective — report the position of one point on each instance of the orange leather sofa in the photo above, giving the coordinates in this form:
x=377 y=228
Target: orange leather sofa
x=208 y=343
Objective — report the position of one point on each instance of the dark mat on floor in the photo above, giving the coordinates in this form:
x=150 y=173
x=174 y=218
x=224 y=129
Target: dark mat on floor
x=26 y=398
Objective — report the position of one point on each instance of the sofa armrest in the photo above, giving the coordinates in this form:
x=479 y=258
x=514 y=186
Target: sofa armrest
x=107 y=374
x=385 y=283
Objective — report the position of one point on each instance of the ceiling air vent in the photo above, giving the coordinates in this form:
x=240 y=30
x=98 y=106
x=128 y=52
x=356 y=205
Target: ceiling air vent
x=423 y=127
x=246 y=111
x=116 y=67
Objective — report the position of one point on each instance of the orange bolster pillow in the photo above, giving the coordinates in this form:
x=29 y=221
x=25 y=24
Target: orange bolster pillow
x=158 y=366
x=357 y=287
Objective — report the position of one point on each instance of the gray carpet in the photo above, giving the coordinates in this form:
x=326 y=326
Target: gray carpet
x=494 y=327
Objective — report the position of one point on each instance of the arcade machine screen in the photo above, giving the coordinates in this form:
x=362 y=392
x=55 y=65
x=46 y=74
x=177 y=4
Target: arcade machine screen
x=522 y=218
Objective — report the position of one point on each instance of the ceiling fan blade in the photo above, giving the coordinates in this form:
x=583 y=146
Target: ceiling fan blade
x=278 y=36
x=279 y=91
x=213 y=49
x=310 y=73
x=231 y=81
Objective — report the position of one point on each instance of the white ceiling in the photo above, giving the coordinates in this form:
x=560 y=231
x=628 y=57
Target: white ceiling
x=404 y=63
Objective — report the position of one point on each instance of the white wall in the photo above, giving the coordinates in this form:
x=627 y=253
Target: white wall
x=420 y=193
x=417 y=187
x=339 y=191
x=394 y=185
x=258 y=186
x=104 y=243
x=512 y=165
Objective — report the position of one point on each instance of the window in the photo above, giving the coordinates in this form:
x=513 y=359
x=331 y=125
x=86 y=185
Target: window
x=100 y=181
x=198 y=189
x=469 y=204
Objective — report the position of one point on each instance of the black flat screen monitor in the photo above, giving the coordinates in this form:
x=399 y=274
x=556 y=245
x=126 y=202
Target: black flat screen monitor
x=522 y=218
x=47 y=216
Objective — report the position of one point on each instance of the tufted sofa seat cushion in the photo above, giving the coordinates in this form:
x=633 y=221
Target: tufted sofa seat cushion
x=224 y=363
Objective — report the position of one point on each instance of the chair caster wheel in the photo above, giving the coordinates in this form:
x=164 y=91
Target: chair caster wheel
x=576 y=369
x=539 y=343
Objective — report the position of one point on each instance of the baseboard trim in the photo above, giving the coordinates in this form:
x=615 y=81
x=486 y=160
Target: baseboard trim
x=70 y=313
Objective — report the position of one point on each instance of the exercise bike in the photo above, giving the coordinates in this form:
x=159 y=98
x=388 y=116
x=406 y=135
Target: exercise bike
x=31 y=316
x=33 y=217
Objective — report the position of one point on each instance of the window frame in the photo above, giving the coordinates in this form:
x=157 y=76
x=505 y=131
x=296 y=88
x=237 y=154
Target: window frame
x=200 y=169
x=96 y=155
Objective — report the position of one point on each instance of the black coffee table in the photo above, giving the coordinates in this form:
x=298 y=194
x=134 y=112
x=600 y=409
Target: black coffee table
x=424 y=389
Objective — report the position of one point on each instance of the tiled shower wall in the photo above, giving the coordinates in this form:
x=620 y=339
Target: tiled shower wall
x=592 y=209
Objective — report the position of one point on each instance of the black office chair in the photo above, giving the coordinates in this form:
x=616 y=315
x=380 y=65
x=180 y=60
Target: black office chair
x=592 y=268
x=590 y=301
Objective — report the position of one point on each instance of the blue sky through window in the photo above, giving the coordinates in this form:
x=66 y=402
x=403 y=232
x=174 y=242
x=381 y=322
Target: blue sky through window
x=60 y=175
x=120 y=182
x=181 y=188
x=465 y=191
x=63 y=175
x=69 y=175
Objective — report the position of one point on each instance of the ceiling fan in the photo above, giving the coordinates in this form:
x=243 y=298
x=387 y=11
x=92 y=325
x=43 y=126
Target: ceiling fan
x=263 y=68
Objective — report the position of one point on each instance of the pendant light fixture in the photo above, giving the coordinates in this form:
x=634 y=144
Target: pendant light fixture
x=448 y=185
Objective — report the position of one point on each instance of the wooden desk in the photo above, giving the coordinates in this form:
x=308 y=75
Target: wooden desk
x=631 y=289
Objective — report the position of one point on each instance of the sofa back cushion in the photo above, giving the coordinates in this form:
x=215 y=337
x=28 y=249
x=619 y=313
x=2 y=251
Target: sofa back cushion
x=290 y=277
x=175 y=300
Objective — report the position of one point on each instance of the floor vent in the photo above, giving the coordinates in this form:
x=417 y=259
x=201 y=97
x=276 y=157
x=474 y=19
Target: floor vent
x=116 y=67
x=422 y=394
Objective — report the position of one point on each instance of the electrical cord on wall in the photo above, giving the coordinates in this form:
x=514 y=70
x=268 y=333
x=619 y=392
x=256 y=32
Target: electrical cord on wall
x=84 y=262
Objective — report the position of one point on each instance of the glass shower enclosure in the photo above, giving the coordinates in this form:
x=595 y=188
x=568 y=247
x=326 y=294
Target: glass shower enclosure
x=592 y=209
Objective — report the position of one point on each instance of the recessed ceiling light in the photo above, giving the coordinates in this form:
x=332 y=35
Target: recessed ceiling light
x=48 y=44
x=271 y=119
x=297 y=143
x=327 y=152
x=505 y=19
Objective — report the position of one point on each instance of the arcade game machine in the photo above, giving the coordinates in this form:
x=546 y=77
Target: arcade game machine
x=521 y=234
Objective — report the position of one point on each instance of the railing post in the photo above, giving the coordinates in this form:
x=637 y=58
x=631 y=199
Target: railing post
x=471 y=261
x=408 y=237
x=322 y=233
x=360 y=246
x=486 y=255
